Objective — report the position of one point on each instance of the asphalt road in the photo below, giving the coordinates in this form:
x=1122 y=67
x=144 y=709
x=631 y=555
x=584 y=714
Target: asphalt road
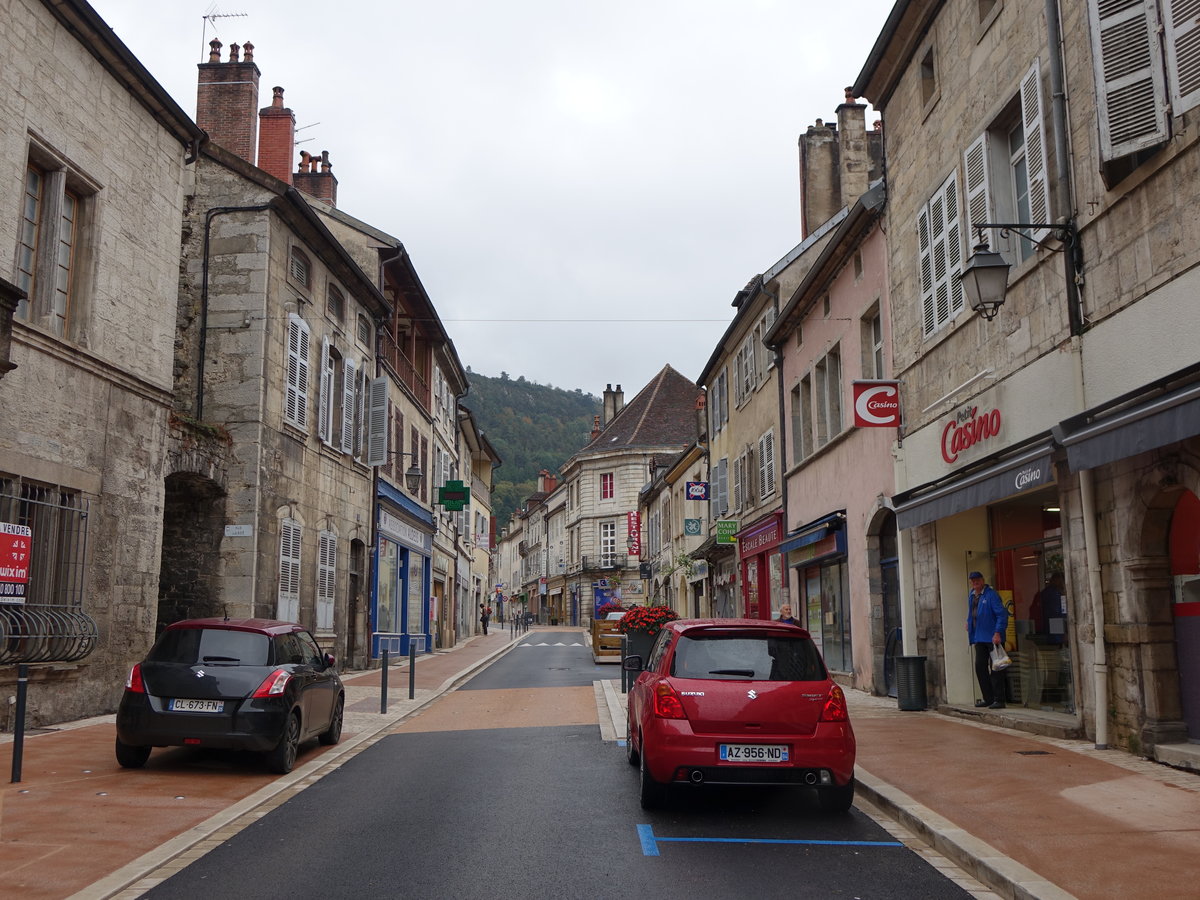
x=457 y=803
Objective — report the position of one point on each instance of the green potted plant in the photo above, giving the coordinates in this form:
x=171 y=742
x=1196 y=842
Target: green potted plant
x=642 y=624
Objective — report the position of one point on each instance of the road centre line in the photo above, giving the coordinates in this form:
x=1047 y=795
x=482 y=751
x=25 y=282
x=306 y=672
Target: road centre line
x=650 y=841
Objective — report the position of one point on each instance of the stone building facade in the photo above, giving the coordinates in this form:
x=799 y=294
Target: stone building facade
x=97 y=159
x=1052 y=446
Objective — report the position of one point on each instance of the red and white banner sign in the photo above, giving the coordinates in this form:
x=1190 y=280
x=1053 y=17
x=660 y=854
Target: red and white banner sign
x=634 y=523
x=15 y=545
x=876 y=404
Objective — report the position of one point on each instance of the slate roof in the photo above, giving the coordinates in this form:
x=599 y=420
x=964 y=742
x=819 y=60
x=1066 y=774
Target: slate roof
x=663 y=414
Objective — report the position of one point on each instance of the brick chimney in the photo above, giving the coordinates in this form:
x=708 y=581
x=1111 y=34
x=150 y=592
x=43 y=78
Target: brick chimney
x=227 y=99
x=547 y=481
x=315 y=177
x=276 y=138
x=596 y=429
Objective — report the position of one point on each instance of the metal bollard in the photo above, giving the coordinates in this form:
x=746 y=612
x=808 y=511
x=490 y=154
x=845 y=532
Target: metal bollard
x=18 y=750
x=383 y=689
x=412 y=670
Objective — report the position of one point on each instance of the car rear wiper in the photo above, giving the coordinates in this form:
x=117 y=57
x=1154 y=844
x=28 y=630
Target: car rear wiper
x=212 y=659
x=745 y=673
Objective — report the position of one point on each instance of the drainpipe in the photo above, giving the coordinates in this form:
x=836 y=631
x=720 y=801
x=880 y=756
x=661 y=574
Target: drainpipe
x=1087 y=496
x=1063 y=195
x=1073 y=265
x=208 y=217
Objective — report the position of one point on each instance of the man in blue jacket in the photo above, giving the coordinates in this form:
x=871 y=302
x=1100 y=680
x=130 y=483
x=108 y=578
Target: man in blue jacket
x=987 y=621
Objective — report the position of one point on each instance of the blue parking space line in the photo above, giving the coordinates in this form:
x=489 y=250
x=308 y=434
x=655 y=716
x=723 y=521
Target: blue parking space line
x=650 y=841
x=646 y=836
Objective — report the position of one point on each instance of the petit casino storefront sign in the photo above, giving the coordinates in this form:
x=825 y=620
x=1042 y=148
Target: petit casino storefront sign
x=968 y=428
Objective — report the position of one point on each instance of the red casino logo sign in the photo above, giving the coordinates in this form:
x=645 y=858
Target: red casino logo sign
x=967 y=429
x=876 y=404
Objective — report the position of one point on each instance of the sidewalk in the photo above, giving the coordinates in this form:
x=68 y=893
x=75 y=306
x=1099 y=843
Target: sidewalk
x=1028 y=816
x=78 y=825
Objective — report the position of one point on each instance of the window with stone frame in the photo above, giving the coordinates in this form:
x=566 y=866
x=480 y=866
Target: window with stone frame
x=608 y=544
x=1006 y=173
x=299 y=268
x=871 y=330
x=54 y=245
x=607 y=486
x=335 y=303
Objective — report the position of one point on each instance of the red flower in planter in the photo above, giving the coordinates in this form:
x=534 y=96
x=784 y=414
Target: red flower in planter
x=646 y=619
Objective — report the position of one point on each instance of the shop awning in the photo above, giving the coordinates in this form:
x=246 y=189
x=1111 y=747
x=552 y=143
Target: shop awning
x=1029 y=469
x=813 y=532
x=1092 y=441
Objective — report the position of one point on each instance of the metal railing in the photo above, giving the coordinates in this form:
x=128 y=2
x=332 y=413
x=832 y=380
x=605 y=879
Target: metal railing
x=36 y=634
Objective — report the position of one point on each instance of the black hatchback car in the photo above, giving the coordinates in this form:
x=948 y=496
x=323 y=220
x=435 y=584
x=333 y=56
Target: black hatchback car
x=240 y=684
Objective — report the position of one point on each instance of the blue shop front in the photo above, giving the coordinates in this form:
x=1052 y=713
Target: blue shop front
x=400 y=605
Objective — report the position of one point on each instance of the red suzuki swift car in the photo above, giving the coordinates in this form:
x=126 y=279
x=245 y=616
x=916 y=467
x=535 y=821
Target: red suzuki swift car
x=738 y=702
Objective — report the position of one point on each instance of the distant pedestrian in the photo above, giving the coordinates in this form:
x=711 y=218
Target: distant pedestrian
x=987 y=621
x=485 y=613
x=785 y=614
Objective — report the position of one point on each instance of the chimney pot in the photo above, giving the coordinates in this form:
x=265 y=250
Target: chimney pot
x=234 y=49
x=214 y=51
x=277 y=98
x=227 y=100
x=248 y=55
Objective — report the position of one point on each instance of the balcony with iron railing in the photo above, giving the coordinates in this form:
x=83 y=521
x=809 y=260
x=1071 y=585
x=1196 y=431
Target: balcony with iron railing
x=603 y=562
x=404 y=369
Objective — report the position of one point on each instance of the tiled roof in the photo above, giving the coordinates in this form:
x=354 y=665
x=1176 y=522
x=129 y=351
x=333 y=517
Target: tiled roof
x=663 y=414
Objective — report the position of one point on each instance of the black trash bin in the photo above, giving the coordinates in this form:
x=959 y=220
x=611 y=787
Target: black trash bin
x=910 y=682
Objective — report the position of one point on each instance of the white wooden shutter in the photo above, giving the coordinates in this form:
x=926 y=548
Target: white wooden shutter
x=939 y=233
x=723 y=481
x=360 y=413
x=738 y=481
x=1131 y=100
x=766 y=464
x=288 y=604
x=977 y=166
x=925 y=248
x=325 y=395
x=296 y=406
x=377 y=406
x=326 y=579
x=1183 y=53
x=1036 y=167
x=349 y=382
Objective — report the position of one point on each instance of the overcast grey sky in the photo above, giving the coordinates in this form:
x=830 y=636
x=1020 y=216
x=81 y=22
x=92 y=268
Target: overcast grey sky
x=583 y=186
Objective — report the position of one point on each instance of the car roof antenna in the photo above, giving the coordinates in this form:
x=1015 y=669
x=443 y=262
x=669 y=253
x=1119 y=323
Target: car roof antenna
x=225 y=607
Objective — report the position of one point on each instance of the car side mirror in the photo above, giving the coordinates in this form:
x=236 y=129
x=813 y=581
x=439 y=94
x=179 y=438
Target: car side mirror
x=330 y=662
x=632 y=664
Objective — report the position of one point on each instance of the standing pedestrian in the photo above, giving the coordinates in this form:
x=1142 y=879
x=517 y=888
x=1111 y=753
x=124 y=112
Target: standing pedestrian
x=484 y=615
x=987 y=621
x=785 y=614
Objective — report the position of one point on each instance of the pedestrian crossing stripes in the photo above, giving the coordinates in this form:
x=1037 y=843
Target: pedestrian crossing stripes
x=547 y=644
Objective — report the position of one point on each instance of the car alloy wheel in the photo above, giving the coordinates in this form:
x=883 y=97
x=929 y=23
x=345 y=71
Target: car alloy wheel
x=631 y=753
x=333 y=733
x=283 y=757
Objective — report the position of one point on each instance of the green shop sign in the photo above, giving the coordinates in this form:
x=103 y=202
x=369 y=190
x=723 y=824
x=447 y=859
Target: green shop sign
x=726 y=529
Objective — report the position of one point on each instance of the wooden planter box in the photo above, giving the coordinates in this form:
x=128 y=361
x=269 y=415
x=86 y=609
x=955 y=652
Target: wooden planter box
x=606 y=641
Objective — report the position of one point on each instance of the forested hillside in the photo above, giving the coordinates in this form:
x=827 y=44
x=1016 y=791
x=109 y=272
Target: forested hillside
x=532 y=426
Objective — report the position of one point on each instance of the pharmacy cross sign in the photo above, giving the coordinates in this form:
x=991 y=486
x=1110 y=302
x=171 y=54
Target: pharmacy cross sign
x=453 y=495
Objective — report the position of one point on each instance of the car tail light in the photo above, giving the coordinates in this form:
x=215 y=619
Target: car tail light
x=835 y=706
x=667 y=704
x=274 y=684
x=134 y=683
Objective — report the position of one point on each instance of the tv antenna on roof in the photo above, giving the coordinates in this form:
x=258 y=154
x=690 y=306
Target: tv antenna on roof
x=213 y=14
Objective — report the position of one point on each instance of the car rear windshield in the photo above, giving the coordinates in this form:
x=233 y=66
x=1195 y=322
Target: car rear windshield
x=757 y=657
x=211 y=646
